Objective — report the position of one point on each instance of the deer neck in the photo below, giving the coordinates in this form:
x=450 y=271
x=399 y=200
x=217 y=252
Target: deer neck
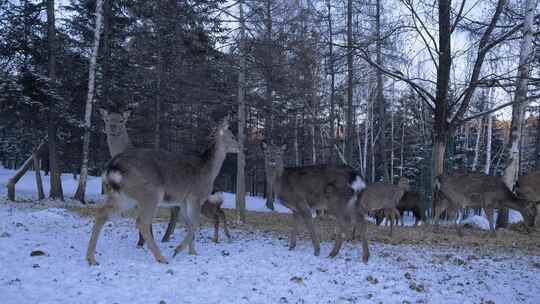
x=118 y=142
x=276 y=179
x=214 y=157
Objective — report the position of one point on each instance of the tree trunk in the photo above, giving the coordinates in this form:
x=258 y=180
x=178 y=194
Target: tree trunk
x=380 y=95
x=81 y=188
x=537 y=142
x=489 y=134
x=240 y=170
x=511 y=172
x=55 y=178
x=332 y=82
x=349 y=116
x=441 y=126
x=39 y=183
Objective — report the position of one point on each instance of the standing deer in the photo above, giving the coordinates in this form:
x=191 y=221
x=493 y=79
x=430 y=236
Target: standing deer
x=478 y=190
x=212 y=210
x=382 y=196
x=154 y=177
x=118 y=141
x=326 y=187
x=412 y=202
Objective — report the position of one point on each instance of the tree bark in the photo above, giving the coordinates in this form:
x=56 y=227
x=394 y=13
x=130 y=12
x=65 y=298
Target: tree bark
x=81 y=188
x=240 y=170
x=511 y=172
x=55 y=178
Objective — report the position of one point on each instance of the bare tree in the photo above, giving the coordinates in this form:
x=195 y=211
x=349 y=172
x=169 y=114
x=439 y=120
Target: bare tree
x=55 y=179
x=349 y=113
x=81 y=188
x=511 y=171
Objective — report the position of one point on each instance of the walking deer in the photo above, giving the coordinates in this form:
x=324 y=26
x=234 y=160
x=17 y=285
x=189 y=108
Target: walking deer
x=478 y=190
x=304 y=189
x=118 y=141
x=155 y=177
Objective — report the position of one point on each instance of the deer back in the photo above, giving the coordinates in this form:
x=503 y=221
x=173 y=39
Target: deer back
x=528 y=186
x=379 y=196
x=315 y=185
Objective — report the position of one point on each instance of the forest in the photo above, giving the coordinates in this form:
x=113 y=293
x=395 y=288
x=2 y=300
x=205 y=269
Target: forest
x=430 y=104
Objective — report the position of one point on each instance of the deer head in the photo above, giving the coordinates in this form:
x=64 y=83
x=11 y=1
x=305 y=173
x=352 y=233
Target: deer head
x=226 y=138
x=115 y=123
x=273 y=155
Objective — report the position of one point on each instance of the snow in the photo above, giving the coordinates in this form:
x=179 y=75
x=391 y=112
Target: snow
x=255 y=267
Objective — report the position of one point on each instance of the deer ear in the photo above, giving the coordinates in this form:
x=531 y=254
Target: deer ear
x=264 y=145
x=224 y=123
x=126 y=114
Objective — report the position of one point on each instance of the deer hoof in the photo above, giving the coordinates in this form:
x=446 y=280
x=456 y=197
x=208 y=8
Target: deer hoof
x=317 y=252
x=365 y=259
x=92 y=261
x=162 y=260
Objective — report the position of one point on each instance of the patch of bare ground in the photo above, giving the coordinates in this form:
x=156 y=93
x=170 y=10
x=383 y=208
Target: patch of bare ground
x=516 y=237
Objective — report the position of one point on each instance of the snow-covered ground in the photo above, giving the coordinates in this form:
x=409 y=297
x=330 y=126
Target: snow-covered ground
x=256 y=267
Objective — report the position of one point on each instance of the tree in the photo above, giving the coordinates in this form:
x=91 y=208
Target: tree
x=81 y=188
x=56 y=183
x=511 y=171
x=241 y=159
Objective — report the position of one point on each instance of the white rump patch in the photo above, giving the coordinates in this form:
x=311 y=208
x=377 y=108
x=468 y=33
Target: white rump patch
x=358 y=184
x=216 y=198
x=115 y=177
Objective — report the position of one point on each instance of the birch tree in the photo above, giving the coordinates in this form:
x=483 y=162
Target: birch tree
x=80 y=193
x=511 y=171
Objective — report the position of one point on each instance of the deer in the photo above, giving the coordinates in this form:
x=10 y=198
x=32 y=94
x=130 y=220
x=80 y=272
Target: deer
x=211 y=209
x=303 y=189
x=152 y=177
x=462 y=190
x=411 y=201
x=382 y=196
x=118 y=141
x=528 y=187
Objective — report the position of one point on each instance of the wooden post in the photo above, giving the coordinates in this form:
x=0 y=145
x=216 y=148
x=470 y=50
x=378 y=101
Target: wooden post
x=22 y=170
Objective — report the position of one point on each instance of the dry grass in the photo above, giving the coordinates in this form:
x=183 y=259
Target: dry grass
x=517 y=237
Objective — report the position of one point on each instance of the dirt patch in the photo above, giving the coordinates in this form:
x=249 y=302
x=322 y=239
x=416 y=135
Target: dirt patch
x=516 y=237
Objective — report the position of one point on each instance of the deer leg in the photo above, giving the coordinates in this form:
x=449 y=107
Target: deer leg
x=216 y=229
x=101 y=217
x=192 y=218
x=363 y=235
x=144 y=222
x=456 y=221
x=489 y=214
x=308 y=220
x=340 y=235
x=294 y=231
x=223 y=218
x=140 y=242
x=172 y=224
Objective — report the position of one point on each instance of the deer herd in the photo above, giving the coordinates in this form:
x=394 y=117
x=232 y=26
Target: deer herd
x=148 y=179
